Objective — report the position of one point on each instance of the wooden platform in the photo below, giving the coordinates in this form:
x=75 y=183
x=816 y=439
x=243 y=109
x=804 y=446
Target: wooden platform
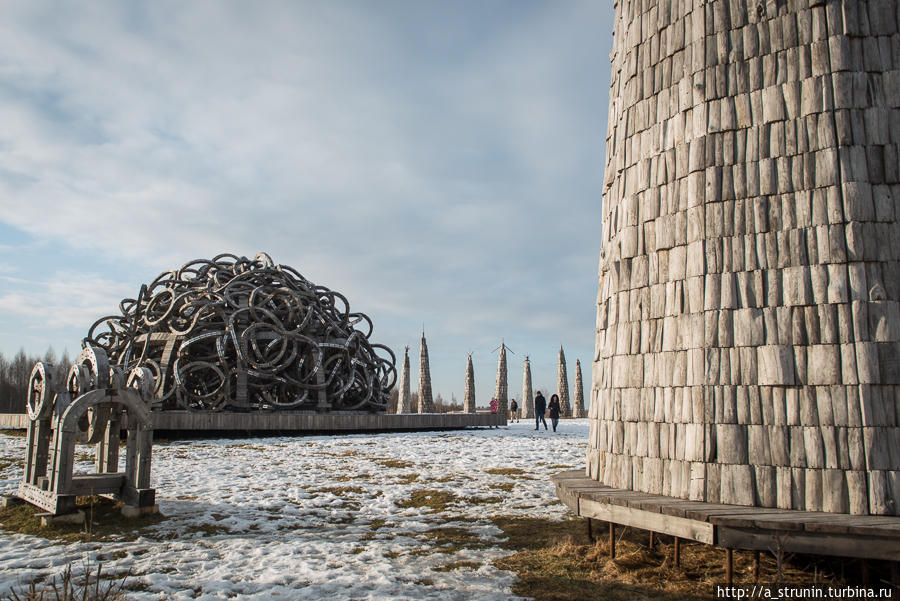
x=733 y=526
x=13 y=421
x=170 y=423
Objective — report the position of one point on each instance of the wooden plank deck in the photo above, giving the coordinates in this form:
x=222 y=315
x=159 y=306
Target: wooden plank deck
x=14 y=421
x=188 y=421
x=733 y=526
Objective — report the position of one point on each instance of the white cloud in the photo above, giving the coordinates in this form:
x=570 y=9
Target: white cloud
x=65 y=299
x=436 y=163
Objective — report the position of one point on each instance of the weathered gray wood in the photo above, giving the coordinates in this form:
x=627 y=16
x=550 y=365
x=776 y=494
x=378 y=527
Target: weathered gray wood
x=426 y=402
x=811 y=543
x=404 y=404
x=97 y=484
x=628 y=516
x=749 y=254
x=14 y=421
x=730 y=525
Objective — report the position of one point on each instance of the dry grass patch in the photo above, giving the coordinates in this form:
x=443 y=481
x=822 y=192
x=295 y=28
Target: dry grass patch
x=16 y=433
x=483 y=500
x=505 y=471
x=450 y=539
x=435 y=500
x=394 y=463
x=407 y=478
x=89 y=585
x=557 y=561
x=458 y=565
x=103 y=522
x=504 y=486
x=338 y=491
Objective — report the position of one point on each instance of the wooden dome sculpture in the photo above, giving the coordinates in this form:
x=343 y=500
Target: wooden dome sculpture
x=240 y=334
x=748 y=318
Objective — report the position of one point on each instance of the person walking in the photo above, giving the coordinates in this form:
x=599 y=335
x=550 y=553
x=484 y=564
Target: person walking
x=540 y=406
x=553 y=407
x=513 y=411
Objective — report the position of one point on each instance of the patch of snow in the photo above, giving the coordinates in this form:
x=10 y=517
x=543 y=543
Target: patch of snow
x=319 y=516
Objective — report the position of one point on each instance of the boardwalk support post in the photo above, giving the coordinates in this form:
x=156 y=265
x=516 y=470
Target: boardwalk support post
x=612 y=540
x=729 y=566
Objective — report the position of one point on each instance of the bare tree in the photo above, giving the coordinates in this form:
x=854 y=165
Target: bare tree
x=14 y=374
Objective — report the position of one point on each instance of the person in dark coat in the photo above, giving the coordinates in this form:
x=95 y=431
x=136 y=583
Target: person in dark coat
x=540 y=407
x=553 y=407
x=513 y=411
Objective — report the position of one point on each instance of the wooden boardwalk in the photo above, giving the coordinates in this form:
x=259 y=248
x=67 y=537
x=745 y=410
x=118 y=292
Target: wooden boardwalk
x=733 y=526
x=13 y=421
x=184 y=422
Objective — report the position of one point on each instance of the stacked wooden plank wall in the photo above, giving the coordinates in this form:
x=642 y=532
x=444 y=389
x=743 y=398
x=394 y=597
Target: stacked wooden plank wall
x=748 y=325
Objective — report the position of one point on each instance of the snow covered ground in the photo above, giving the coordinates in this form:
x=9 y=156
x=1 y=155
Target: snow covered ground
x=320 y=517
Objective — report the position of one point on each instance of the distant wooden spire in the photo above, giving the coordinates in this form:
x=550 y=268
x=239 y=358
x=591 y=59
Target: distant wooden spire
x=527 y=396
x=426 y=403
x=469 y=400
x=501 y=391
x=562 y=386
x=579 y=392
x=403 y=399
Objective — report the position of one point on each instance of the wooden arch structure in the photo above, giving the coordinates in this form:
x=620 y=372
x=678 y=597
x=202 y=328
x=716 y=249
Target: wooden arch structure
x=91 y=408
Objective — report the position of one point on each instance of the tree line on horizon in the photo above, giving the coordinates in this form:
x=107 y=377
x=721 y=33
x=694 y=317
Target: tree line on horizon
x=15 y=372
x=440 y=405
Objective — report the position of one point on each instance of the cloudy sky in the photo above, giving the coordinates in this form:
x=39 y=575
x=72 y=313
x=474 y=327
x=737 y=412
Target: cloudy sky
x=439 y=163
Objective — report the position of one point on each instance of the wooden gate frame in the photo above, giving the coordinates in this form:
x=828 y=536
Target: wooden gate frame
x=95 y=416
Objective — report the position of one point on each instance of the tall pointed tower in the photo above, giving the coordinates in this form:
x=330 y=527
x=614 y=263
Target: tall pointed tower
x=469 y=400
x=403 y=397
x=501 y=391
x=578 y=405
x=562 y=386
x=426 y=403
x=748 y=309
x=527 y=393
